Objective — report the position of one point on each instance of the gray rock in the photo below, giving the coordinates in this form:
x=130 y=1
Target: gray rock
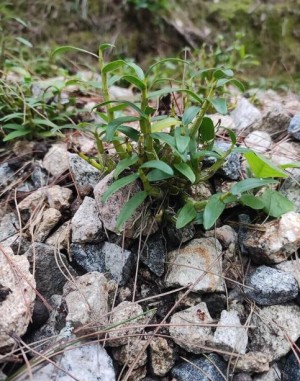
x=231 y=167
x=86 y=224
x=6 y=175
x=110 y=210
x=242 y=377
x=176 y=237
x=87 y=303
x=61 y=237
x=294 y=127
x=17 y=295
x=19 y=244
x=118 y=262
x=153 y=254
x=290 y=188
x=245 y=114
x=198 y=262
x=39 y=177
x=56 y=160
x=49 y=220
x=162 y=356
x=269 y=286
x=285 y=152
x=230 y=335
x=190 y=328
x=275 y=122
x=207 y=368
x=273 y=374
x=276 y=327
x=291 y=370
x=292 y=267
x=89 y=256
x=51 y=268
x=127 y=319
x=274 y=245
x=128 y=353
x=252 y=362
x=9 y=226
x=88 y=362
x=259 y=141
x=84 y=174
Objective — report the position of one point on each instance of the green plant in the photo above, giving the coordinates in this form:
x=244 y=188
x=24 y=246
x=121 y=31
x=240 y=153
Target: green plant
x=169 y=162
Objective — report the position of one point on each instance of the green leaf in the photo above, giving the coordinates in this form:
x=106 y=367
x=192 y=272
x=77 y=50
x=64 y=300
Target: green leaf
x=177 y=60
x=170 y=140
x=219 y=105
x=105 y=46
x=296 y=164
x=186 y=171
x=138 y=71
x=223 y=73
x=134 y=81
x=249 y=184
x=44 y=122
x=182 y=141
x=118 y=184
x=262 y=167
x=17 y=134
x=234 y=82
x=157 y=175
x=131 y=132
x=207 y=131
x=213 y=209
x=20 y=21
x=164 y=123
x=252 y=201
x=24 y=41
x=130 y=207
x=12 y=126
x=17 y=115
x=69 y=48
x=275 y=204
x=158 y=164
x=189 y=114
x=122 y=103
x=125 y=163
x=113 y=126
x=185 y=215
x=113 y=66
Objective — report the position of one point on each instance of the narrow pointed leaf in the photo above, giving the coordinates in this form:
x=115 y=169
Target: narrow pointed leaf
x=134 y=81
x=157 y=175
x=164 y=123
x=275 y=204
x=262 y=167
x=186 y=215
x=105 y=46
x=138 y=71
x=124 y=164
x=189 y=114
x=118 y=184
x=186 y=171
x=17 y=134
x=249 y=184
x=69 y=48
x=113 y=126
x=170 y=140
x=24 y=41
x=158 y=164
x=213 y=209
x=252 y=201
x=131 y=132
x=113 y=66
x=130 y=207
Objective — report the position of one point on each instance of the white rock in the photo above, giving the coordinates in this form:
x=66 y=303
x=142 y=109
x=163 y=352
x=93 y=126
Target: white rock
x=252 y=362
x=190 y=328
x=126 y=319
x=200 y=260
x=56 y=197
x=273 y=374
x=285 y=152
x=50 y=218
x=56 y=160
x=230 y=334
x=259 y=141
x=87 y=302
x=276 y=327
x=245 y=114
x=9 y=226
x=87 y=362
x=292 y=267
x=280 y=240
x=226 y=120
x=86 y=224
x=118 y=262
x=17 y=295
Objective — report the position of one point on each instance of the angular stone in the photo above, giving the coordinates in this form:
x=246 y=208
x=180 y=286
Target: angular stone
x=259 y=141
x=242 y=377
x=201 y=368
x=17 y=295
x=6 y=175
x=269 y=286
x=86 y=224
x=273 y=374
x=291 y=370
x=128 y=353
x=9 y=225
x=230 y=335
x=118 y=262
x=89 y=256
x=61 y=237
x=245 y=115
x=56 y=197
x=252 y=362
x=294 y=127
x=127 y=319
x=110 y=210
x=275 y=122
x=274 y=245
x=162 y=356
x=200 y=260
x=153 y=254
x=276 y=327
x=50 y=218
x=51 y=268
x=84 y=174
x=292 y=267
x=87 y=303
x=56 y=160
x=190 y=328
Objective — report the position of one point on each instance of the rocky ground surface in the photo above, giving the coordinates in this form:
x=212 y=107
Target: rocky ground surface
x=84 y=303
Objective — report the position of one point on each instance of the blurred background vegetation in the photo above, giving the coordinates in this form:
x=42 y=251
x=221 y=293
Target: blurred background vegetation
x=259 y=39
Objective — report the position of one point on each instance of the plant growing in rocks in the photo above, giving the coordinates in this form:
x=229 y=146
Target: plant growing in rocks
x=169 y=154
